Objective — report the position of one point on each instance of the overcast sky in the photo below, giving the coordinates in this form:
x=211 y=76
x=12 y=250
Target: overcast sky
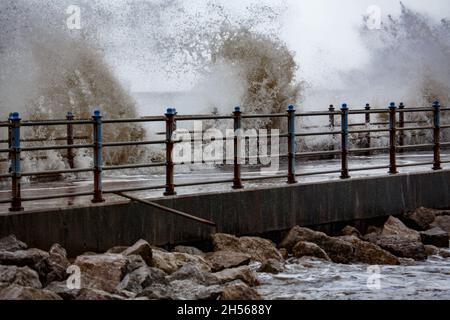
x=322 y=33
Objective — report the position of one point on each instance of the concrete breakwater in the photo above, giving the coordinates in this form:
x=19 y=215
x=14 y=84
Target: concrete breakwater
x=234 y=269
x=245 y=212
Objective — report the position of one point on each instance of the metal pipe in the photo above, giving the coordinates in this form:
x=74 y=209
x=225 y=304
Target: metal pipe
x=170 y=128
x=54 y=123
x=15 y=169
x=368 y=168
x=237 y=181
x=437 y=136
x=318 y=153
x=291 y=145
x=54 y=172
x=322 y=133
x=401 y=124
x=135 y=166
x=132 y=143
x=74 y=146
x=367 y=124
x=201 y=183
x=70 y=141
x=344 y=142
x=392 y=142
x=317 y=173
x=98 y=157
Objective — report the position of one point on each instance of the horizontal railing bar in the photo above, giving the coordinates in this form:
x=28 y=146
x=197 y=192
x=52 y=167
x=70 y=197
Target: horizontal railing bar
x=136 y=189
x=317 y=173
x=372 y=111
x=71 y=146
x=368 y=149
x=264 y=178
x=414 y=128
x=55 y=123
x=255 y=116
x=57 y=196
x=446 y=126
x=417 y=164
x=129 y=120
x=369 y=130
x=368 y=168
x=318 y=113
x=4 y=150
x=411 y=110
x=445 y=144
x=318 y=153
x=132 y=143
x=52 y=172
x=5 y=175
x=323 y=133
x=203 y=117
x=416 y=146
x=47 y=139
x=201 y=183
x=134 y=166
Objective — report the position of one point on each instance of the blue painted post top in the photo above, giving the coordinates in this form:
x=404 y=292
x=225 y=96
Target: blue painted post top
x=436 y=105
x=171 y=111
x=367 y=106
x=392 y=106
x=14 y=116
x=402 y=105
x=344 y=107
x=237 y=109
x=97 y=113
x=291 y=108
x=69 y=114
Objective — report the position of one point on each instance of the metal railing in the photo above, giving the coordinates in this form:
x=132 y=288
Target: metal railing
x=395 y=128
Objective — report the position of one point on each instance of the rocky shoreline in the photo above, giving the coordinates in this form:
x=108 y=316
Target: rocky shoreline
x=229 y=272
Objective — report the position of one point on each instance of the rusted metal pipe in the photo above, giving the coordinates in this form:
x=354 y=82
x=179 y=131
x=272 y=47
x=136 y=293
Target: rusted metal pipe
x=70 y=141
x=392 y=139
x=98 y=157
x=14 y=155
x=344 y=142
x=367 y=124
x=401 y=124
x=237 y=182
x=437 y=135
x=170 y=129
x=291 y=145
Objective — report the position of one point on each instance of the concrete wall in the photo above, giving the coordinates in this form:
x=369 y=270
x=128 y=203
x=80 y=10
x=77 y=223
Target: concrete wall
x=97 y=228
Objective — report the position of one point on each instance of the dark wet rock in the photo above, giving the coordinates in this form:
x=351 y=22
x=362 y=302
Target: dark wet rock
x=56 y=264
x=157 y=292
x=442 y=222
x=191 y=290
x=309 y=249
x=189 y=250
x=239 y=291
x=15 y=292
x=141 y=278
x=117 y=249
x=259 y=249
x=436 y=237
x=243 y=273
x=103 y=272
x=394 y=227
x=170 y=262
x=373 y=230
x=21 y=258
x=401 y=247
x=62 y=290
x=135 y=262
x=21 y=276
x=220 y=260
x=95 y=294
x=421 y=219
x=11 y=243
x=351 y=231
x=369 y=253
x=445 y=253
x=141 y=248
x=271 y=266
x=338 y=250
x=431 y=250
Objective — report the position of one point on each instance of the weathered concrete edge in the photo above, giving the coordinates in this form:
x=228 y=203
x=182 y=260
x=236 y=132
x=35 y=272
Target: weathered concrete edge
x=255 y=211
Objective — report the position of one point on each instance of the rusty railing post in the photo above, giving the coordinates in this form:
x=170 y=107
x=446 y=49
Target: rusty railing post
x=170 y=128
x=14 y=156
x=344 y=142
x=237 y=182
x=291 y=144
x=401 y=124
x=392 y=139
x=367 y=123
x=332 y=125
x=70 y=141
x=98 y=157
x=437 y=135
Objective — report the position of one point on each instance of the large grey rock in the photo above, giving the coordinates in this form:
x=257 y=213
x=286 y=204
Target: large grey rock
x=431 y=250
x=369 y=253
x=421 y=219
x=271 y=266
x=442 y=222
x=259 y=249
x=21 y=276
x=239 y=291
x=56 y=264
x=135 y=262
x=31 y=257
x=103 y=272
x=62 y=290
x=170 y=262
x=436 y=237
x=400 y=246
x=394 y=227
x=351 y=231
x=243 y=273
x=141 y=278
x=309 y=249
x=97 y=295
x=11 y=243
x=15 y=292
x=189 y=250
x=141 y=248
x=193 y=272
x=220 y=260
